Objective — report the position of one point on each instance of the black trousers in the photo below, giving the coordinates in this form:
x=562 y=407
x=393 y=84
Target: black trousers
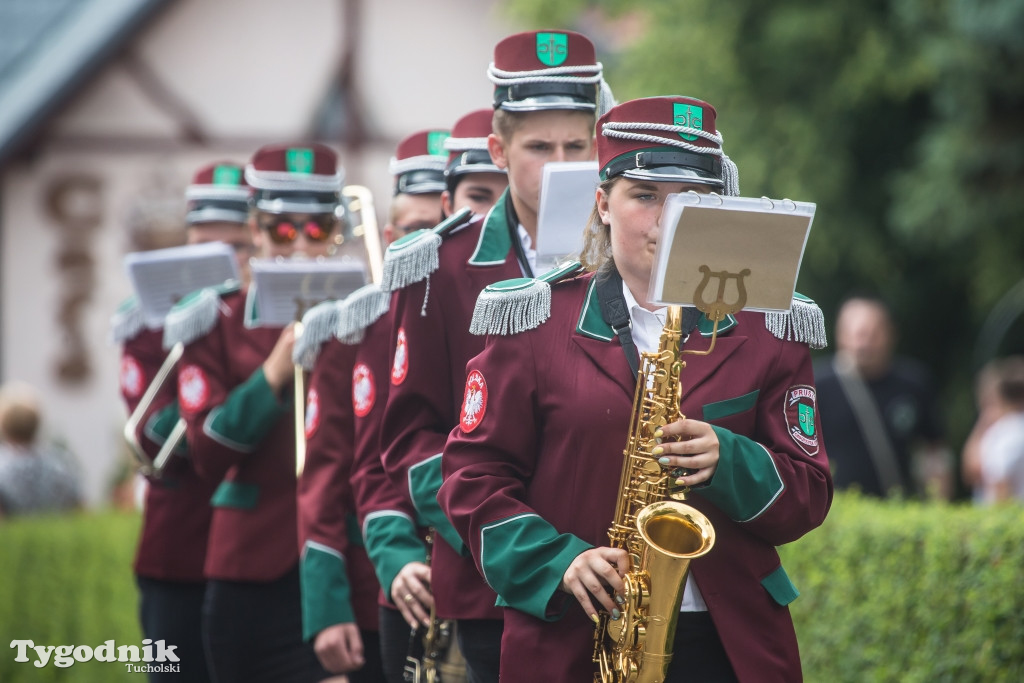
x=373 y=670
x=480 y=642
x=172 y=611
x=394 y=643
x=697 y=652
x=253 y=633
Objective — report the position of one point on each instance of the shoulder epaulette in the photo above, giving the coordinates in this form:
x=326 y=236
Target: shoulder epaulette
x=519 y=304
x=414 y=257
x=196 y=314
x=359 y=310
x=318 y=325
x=803 y=322
x=127 y=321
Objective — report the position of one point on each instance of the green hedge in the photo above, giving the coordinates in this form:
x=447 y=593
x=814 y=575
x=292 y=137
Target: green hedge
x=911 y=592
x=68 y=581
x=889 y=592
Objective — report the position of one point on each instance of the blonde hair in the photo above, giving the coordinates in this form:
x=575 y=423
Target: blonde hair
x=597 y=237
x=506 y=123
x=19 y=413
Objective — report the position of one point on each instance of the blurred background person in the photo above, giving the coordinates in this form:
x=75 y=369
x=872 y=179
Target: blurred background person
x=999 y=457
x=885 y=435
x=35 y=477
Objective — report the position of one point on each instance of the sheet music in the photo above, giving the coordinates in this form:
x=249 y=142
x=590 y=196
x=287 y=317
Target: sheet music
x=766 y=236
x=162 y=277
x=566 y=200
x=286 y=289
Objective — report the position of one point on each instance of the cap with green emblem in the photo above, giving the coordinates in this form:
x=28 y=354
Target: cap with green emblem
x=539 y=70
x=467 y=146
x=419 y=161
x=295 y=178
x=665 y=139
x=218 y=192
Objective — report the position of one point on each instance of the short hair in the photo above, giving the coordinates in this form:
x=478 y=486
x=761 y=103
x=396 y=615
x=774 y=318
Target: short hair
x=505 y=123
x=19 y=414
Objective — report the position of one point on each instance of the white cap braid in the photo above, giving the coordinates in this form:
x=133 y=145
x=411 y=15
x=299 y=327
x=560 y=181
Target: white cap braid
x=501 y=78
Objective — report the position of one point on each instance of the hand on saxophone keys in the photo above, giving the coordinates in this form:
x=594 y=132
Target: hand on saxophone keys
x=597 y=574
x=410 y=591
x=692 y=447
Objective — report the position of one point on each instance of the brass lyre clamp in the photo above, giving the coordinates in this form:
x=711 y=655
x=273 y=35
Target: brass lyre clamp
x=717 y=309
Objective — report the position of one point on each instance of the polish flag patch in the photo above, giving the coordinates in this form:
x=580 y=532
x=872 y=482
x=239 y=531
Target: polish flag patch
x=363 y=391
x=400 y=368
x=131 y=377
x=193 y=389
x=312 y=413
x=474 y=404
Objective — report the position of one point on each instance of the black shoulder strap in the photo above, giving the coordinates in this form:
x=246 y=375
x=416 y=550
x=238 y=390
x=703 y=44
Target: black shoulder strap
x=615 y=313
x=513 y=232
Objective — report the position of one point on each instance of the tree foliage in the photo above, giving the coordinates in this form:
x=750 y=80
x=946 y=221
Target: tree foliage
x=901 y=119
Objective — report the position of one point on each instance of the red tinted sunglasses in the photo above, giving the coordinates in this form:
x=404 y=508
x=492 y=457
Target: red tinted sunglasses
x=284 y=229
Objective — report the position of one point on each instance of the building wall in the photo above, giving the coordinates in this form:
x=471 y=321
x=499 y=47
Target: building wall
x=113 y=165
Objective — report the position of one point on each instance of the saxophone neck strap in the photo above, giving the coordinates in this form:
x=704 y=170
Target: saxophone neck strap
x=616 y=314
x=517 y=243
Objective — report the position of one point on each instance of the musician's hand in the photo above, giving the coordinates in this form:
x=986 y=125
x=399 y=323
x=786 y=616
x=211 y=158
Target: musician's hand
x=410 y=591
x=340 y=648
x=592 y=574
x=278 y=368
x=695 y=451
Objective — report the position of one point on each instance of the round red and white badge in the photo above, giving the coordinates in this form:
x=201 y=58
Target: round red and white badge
x=364 y=393
x=193 y=390
x=474 y=404
x=131 y=377
x=400 y=368
x=312 y=413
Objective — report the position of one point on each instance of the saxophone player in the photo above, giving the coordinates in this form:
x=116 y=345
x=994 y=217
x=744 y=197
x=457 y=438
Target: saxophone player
x=531 y=470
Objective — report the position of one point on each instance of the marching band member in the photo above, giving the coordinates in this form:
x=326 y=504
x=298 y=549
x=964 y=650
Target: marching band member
x=176 y=513
x=232 y=389
x=418 y=170
x=537 y=119
x=390 y=525
x=531 y=470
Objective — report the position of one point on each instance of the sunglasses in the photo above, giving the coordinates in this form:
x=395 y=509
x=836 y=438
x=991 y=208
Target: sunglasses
x=285 y=229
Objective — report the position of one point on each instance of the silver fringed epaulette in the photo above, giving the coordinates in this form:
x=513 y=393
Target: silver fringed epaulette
x=803 y=322
x=318 y=325
x=359 y=310
x=195 y=315
x=127 y=321
x=414 y=257
x=517 y=305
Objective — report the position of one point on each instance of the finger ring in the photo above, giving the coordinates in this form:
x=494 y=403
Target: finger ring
x=408 y=597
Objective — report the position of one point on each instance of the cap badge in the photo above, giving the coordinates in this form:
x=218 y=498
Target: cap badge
x=689 y=116
x=227 y=175
x=435 y=143
x=299 y=160
x=552 y=48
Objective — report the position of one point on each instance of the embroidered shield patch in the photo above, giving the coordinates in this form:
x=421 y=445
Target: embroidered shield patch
x=801 y=415
x=364 y=393
x=193 y=390
x=400 y=368
x=474 y=404
x=552 y=48
x=312 y=413
x=131 y=377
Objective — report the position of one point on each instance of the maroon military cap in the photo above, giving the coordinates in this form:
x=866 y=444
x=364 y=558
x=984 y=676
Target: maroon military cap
x=218 y=192
x=661 y=138
x=548 y=69
x=418 y=164
x=467 y=146
x=295 y=178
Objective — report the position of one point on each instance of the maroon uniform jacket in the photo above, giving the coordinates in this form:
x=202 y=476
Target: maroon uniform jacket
x=432 y=347
x=176 y=514
x=243 y=435
x=386 y=515
x=532 y=475
x=338 y=582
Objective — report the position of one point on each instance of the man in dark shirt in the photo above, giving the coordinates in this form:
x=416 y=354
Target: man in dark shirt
x=879 y=415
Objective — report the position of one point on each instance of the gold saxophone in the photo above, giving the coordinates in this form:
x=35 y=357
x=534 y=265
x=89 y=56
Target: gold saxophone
x=660 y=534
x=434 y=655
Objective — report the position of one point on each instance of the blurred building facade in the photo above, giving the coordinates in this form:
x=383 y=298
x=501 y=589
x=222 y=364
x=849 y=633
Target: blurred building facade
x=107 y=106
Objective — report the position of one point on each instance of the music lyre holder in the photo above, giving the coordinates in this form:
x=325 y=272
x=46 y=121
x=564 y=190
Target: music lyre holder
x=718 y=309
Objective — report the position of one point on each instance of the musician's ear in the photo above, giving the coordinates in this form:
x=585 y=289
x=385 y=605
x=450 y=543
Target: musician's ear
x=601 y=201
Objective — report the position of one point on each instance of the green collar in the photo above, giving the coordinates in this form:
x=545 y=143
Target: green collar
x=495 y=238
x=592 y=325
